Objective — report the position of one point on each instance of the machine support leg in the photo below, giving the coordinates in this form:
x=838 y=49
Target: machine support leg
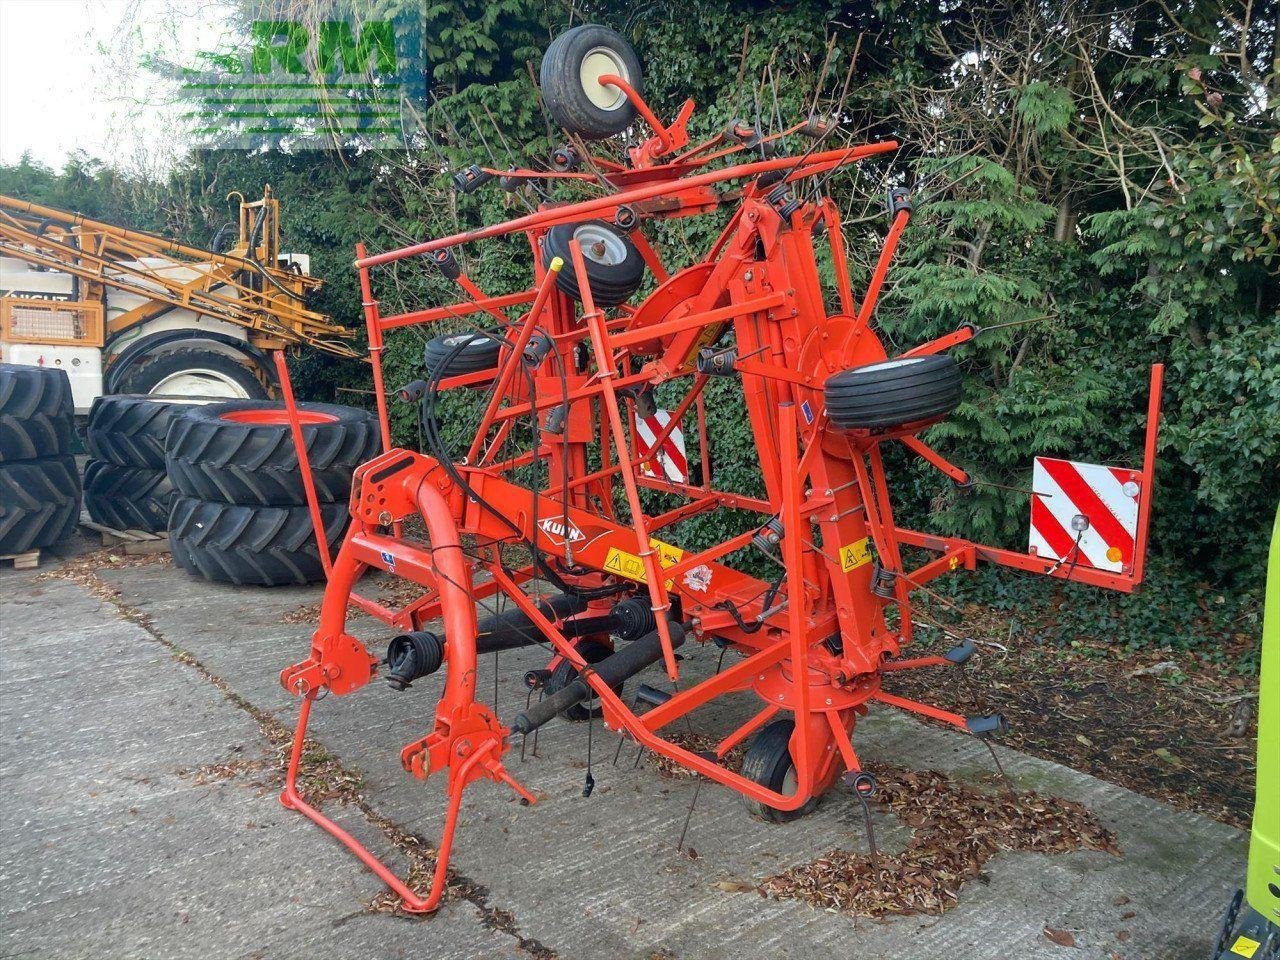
x=1148 y=469
x=304 y=462
x=290 y=798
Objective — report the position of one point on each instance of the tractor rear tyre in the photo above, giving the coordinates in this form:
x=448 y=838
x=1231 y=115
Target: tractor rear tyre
x=768 y=762
x=241 y=451
x=128 y=498
x=129 y=430
x=39 y=503
x=252 y=546
x=35 y=412
x=190 y=367
x=893 y=393
x=569 y=80
x=615 y=268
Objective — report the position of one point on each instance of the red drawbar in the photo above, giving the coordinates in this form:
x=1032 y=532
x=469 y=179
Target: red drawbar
x=273 y=417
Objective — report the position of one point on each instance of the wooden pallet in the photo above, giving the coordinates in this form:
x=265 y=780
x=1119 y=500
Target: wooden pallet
x=132 y=543
x=23 y=561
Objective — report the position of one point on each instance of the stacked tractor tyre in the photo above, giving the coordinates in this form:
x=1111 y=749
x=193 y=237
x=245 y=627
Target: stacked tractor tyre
x=126 y=486
x=240 y=511
x=39 y=482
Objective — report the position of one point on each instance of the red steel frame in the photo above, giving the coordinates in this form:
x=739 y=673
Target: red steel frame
x=827 y=487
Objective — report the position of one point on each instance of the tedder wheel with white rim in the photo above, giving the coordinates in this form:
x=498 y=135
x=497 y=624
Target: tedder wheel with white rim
x=893 y=393
x=615 y=268
x=191 y=367
x=242 y=452
x=457 y=353
x=570 y=80
x=768 y=762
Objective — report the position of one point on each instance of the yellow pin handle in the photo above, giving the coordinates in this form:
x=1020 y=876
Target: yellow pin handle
x=557 y=264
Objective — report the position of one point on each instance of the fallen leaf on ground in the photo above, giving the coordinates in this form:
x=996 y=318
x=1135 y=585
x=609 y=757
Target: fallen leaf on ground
x=1061 y=937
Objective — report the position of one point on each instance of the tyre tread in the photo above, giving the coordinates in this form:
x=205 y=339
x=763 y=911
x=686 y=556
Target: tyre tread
x=39 y=503
x=874 y=396
x=256 y=464
x=251 y=545
x=128 y=498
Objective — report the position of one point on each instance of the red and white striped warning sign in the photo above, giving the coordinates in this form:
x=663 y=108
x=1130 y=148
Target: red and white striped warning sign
x=671 y=454
x=1085 y=502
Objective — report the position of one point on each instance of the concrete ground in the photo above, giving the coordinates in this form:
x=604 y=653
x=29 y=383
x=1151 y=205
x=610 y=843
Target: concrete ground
x=138 y=816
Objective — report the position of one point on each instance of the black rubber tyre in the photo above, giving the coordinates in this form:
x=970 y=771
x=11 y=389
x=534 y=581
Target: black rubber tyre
x=894 y=392
x=251 y=546
x=455 y=353
x=614 y=266
x=39 y=503
x=768 y=762
x=565 y=673
x=148 y=372
x=214 y=456
x=130 y=430
x=128 y=498
x=583 y=52
x=35 y=412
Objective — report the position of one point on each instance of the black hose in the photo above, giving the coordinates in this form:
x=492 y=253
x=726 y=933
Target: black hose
x=439 y=450
x=254 y=236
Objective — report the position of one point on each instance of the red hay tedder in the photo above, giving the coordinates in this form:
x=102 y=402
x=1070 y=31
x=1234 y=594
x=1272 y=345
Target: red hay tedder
x=573 y=359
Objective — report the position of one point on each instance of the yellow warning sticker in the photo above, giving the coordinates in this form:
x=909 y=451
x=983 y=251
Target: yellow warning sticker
x=629 y=565
x=624 y=564
x=668 y=555
x=1245 y=947
x=853 y=555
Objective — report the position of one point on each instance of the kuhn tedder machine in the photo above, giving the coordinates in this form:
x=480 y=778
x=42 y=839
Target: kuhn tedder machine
x=575 y=361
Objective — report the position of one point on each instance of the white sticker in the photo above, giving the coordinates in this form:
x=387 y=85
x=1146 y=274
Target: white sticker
x=699 y=578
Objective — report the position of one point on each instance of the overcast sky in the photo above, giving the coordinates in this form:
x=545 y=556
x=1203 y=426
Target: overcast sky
x=70 y=76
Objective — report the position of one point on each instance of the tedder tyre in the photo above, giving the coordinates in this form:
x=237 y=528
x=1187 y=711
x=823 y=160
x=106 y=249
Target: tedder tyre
x=894 y=392
x=768 y=762
x=190 y=367
x=565 y=673
x=128 y=498
x=39 y=503
x=614 y=266
x=252 y=546
x=242 y=452
x=569 y=78
x=457 y=353
x=129 y=430
x=35 y=412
